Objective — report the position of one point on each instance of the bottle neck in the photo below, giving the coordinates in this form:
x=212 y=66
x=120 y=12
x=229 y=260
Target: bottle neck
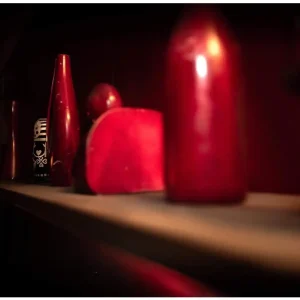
x=63 y=66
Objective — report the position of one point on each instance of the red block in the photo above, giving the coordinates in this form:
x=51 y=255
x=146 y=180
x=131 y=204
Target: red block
x=123 y=153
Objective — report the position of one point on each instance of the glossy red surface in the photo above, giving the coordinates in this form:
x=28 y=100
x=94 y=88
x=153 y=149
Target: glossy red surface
x=63 y=123
x=11 y=162
x=124 y=153
x=102 y=98
x=202 y=146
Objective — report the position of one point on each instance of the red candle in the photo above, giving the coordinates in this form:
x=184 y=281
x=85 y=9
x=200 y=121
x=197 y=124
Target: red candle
x=63 y=123
x=203 y=156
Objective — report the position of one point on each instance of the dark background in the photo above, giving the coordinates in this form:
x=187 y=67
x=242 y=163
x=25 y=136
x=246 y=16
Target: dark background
x=125 y=44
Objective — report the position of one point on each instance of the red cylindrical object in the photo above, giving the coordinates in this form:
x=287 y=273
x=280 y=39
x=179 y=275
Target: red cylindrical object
x=11 y=161
x=63 y=123
x=204 y=162
x=102 y=98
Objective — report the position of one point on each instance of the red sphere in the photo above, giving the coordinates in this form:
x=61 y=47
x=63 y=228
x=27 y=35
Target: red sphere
x=102 y=98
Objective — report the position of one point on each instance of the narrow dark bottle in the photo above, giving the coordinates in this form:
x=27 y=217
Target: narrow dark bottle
x=203 y=151
x=63 y=123
x=11 y=168
x=39 y=152
x=3 y=140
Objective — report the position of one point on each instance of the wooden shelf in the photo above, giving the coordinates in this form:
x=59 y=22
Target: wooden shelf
x=263 y=232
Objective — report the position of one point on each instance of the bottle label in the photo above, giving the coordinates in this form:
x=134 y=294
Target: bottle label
x=40 y=161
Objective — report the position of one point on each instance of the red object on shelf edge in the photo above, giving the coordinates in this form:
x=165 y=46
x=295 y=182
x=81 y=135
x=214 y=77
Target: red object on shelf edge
x=102 y=98
x=11 y=161
x=204 y=161
x=151 y=278
x=123 y=153
x=63 y=124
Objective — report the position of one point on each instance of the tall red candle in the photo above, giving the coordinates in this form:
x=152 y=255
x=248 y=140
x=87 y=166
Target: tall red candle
x=63 y=123
x=204 y=162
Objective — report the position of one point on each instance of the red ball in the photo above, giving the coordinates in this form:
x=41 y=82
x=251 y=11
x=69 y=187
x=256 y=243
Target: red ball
x=102 y=98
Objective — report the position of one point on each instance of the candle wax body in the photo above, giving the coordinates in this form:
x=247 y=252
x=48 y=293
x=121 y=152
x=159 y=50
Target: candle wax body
x=204 y=162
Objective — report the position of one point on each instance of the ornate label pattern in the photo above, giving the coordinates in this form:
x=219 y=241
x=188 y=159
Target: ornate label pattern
x=40 y=162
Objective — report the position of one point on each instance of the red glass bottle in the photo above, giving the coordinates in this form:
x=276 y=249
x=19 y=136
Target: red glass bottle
x=11 y=166
x=204 y=161
x=63 y=123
